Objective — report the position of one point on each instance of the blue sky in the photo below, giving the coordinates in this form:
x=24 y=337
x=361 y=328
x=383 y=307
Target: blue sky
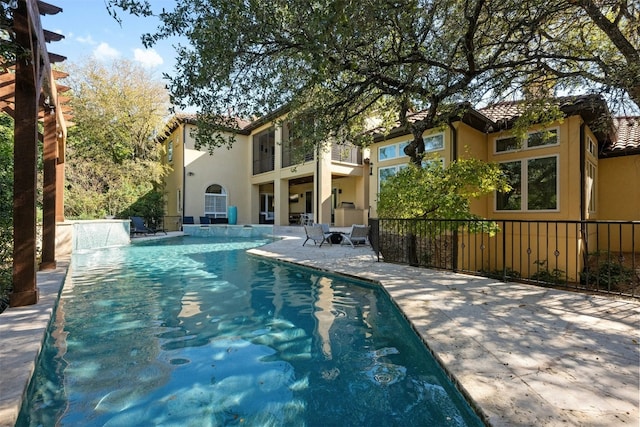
x=90 y=32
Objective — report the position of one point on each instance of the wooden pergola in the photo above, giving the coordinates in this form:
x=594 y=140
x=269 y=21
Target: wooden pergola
x=29 y=93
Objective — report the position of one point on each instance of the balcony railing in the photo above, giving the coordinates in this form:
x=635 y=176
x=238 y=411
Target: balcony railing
x=346 y=153
x=295 y=156
x=264 y=163
x=598 y=256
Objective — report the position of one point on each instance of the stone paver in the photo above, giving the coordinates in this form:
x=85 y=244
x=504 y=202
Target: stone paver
x=523 y=355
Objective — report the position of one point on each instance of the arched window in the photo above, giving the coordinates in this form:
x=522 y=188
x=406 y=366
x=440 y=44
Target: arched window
x=215 y=201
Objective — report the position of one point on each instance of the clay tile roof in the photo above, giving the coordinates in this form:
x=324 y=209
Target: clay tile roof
x=627 y=137
x=503 y=110
x=510 y=110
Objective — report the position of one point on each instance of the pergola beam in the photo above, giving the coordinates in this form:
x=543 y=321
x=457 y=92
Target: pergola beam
x=34 y=96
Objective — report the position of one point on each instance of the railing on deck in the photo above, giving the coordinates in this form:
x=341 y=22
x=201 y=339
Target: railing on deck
x=347 y=153
x=599 y=256
x=264 y=163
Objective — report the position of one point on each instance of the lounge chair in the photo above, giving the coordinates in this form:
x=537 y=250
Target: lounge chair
x=358 y=234
x=314 y=232
x=188 y=220
x=139 y=227
x=205 y=220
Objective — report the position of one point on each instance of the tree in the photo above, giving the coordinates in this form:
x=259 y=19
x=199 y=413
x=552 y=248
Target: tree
x=7 y=42
x=588 y=44
x=112 y=158
x=343 y=62
x=436 y=192
x=6 y=207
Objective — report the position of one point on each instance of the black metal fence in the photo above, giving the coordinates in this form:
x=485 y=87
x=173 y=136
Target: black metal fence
x=599 y=256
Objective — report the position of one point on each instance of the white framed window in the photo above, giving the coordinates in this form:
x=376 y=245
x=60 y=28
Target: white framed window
x=387 y=172
x=537 y=139
x=534 y=183
x=591 y=186
x=433 y=142
x=433 y=161
x=170 y=151
x=591 y=146
x=394 y=151
x=215 y=201
x=388 y=152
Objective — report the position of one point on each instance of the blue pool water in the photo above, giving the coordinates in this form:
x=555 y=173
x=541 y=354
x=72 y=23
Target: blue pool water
x=194 y=332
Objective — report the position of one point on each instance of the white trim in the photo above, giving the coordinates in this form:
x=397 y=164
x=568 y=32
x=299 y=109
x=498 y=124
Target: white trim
x=591 y=147
x=396 y=169
x=218 y=199
x=431 y=160
x=591 y=174
x=169 y=151
x=398 y=147
x=525 y=144
x=524 y=189
x=433 y=135
x=391 y=156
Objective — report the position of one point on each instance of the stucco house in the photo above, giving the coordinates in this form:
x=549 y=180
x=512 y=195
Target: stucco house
x=565 y=176
x=263 y=176
x=575 y=170
x=588 y=168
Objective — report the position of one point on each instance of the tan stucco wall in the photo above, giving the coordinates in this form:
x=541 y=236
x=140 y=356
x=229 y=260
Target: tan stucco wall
x=619 y=188
x=226 y=167
x=173 y=181
x=474 y=144
x=568 y=153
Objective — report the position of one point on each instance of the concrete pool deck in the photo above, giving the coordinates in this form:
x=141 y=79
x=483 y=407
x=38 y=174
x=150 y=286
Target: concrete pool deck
x=523 y=355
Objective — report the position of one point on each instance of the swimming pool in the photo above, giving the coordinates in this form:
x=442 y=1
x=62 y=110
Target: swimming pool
x=193 y=331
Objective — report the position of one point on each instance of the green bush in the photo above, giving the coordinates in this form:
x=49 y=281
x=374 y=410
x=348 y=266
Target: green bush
x=544 y=275
x=609 y=274
x=6 y=208
x=150 y=207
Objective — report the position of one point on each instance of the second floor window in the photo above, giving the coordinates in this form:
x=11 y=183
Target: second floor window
x=534 y=140
x=264 y=151
x=294 y=151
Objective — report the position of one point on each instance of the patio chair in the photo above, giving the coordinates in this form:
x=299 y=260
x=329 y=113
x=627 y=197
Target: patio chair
x=358 y=234
x=138 y=226
x=314 y=232
x=188 y=220
x=331 y=236
x=205 y=220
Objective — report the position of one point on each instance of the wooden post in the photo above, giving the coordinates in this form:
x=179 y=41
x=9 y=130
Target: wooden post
x=49 y=192
x=25 y=153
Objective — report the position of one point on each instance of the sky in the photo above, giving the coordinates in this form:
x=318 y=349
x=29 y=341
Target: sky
x=90 y=31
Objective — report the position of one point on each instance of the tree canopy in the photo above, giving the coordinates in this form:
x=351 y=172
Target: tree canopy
x=436 y=192
x=112 y=157
x=343 y=62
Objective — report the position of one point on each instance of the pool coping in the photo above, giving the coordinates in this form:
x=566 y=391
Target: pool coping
x=22 y=334
x=523 y=355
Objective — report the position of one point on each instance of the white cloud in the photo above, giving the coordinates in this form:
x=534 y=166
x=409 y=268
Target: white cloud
x=84 y=40
x=105 y=52
x=148 y=58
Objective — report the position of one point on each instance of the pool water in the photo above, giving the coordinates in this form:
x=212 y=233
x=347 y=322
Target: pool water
x=193 y=331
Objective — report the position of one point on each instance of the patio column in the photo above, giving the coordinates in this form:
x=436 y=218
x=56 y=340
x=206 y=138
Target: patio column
x=49 y=192
x=281 y=202
x=323 y=188
x=25 y=153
